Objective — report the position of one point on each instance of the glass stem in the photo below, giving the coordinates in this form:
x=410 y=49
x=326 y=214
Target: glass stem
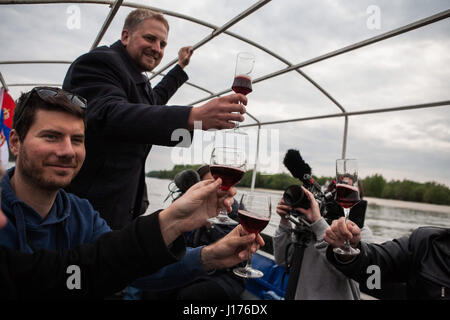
x=346 y=214
x=249 y=259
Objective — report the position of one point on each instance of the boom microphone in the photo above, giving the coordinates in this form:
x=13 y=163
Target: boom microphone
x=296 y=165
x=299 y=168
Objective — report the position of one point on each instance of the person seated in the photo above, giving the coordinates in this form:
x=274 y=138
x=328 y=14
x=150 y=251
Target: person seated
x=421 y=260
x=317 y=279
x=47 y=139
x=222 y=284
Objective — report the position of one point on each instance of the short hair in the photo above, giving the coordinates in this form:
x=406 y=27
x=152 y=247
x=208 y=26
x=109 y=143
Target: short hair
x=135 y=18
x=24 y=119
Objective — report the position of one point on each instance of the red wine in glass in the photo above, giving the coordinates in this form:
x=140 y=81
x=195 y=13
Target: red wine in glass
x=347 y=196
x=254 y=215
x=242 y=84
x=252 y=222
x=229 y=175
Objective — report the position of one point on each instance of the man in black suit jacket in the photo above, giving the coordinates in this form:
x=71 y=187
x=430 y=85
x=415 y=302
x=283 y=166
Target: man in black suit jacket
x=126 y=116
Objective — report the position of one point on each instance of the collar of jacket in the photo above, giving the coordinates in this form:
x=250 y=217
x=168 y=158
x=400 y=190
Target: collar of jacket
x=137 y=75
x=26 y=219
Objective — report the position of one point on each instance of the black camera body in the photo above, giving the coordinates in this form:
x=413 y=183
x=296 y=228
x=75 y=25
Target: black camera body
x=295 y=197
x=330 y=210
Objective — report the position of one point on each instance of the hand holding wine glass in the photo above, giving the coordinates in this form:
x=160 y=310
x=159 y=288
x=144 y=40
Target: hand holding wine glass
x=254 y=214
x=347 y=195
x=229 y=165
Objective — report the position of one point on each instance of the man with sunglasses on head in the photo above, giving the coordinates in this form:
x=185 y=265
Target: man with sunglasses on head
x=126 y=116
x=47 y=138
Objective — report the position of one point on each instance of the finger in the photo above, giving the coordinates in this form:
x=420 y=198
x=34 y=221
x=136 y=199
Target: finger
x=229 y=108
x=227 y=205
x=301 y=210
x=342 y=231
x=310 y=196
x=245 y=240
x=330 y=236
x=201 y=184
x=241 y=230
x=236 y=98
x=232 y=192
x=243 y=255
x=260 y=240
x=282 y=212
x=209 y=186
x=284 y=208
x=232 y=117
x=224 y=125
x=222 y=193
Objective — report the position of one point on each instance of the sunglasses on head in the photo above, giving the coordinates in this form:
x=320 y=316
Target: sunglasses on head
x=44 y=92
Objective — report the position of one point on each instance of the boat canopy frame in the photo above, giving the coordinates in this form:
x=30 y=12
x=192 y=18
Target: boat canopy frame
x=217 y=30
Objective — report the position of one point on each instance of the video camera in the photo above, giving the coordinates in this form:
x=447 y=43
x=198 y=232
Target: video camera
x=295 y=197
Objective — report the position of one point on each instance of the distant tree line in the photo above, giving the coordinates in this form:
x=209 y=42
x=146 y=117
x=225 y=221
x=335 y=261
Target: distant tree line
x=374 y=186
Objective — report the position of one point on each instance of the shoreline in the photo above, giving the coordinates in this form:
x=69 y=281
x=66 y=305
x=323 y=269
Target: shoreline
x=384 y=202
x=420 y=206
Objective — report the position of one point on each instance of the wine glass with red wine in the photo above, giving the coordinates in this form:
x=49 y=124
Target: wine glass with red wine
x=347 y=195
x=254 y=215
x=229 y=165
x=242 y=83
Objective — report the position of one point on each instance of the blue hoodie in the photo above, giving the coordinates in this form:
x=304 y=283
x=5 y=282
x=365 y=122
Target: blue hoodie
x=73 y=221
x=70 y=222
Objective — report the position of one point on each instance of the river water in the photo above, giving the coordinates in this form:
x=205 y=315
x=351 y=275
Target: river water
x=387 y=219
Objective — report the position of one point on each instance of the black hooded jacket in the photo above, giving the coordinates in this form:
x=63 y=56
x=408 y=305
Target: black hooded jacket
x=422 y=261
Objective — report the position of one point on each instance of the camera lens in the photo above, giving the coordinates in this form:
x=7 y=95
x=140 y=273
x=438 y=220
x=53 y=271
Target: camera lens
x=296 y=197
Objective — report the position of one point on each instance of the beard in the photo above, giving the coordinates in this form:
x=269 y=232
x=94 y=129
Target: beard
x=41 y=176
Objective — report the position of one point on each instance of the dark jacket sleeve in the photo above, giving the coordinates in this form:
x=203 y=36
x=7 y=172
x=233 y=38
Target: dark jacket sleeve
x=392 y=257
x=106 y=267
x=168 y=85
x=117 y=105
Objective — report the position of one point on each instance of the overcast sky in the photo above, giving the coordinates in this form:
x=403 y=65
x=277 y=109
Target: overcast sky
x=412 y=68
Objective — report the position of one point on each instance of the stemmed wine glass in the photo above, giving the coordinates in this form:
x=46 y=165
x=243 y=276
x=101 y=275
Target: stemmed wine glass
x=245 y=62
x=229 y=165
x=347 y=195
x=254 y=215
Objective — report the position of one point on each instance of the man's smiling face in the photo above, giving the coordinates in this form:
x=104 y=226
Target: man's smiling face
x=146 y=44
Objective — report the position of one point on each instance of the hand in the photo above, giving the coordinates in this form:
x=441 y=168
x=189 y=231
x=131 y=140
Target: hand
x=190 y=211
x=313 y=213
x=184 y=56
x=339 y=231
x=283 y=211
x=218 y=113
x=231 y=249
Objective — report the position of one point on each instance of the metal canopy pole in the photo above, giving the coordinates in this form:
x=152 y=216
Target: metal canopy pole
x=256 y=160
x=35 y=62
x=3 y=82
x=415 y=25
x=218 y=31
x=344 y=139
x=69 y=62
x=106 y=24
x=356 y=113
